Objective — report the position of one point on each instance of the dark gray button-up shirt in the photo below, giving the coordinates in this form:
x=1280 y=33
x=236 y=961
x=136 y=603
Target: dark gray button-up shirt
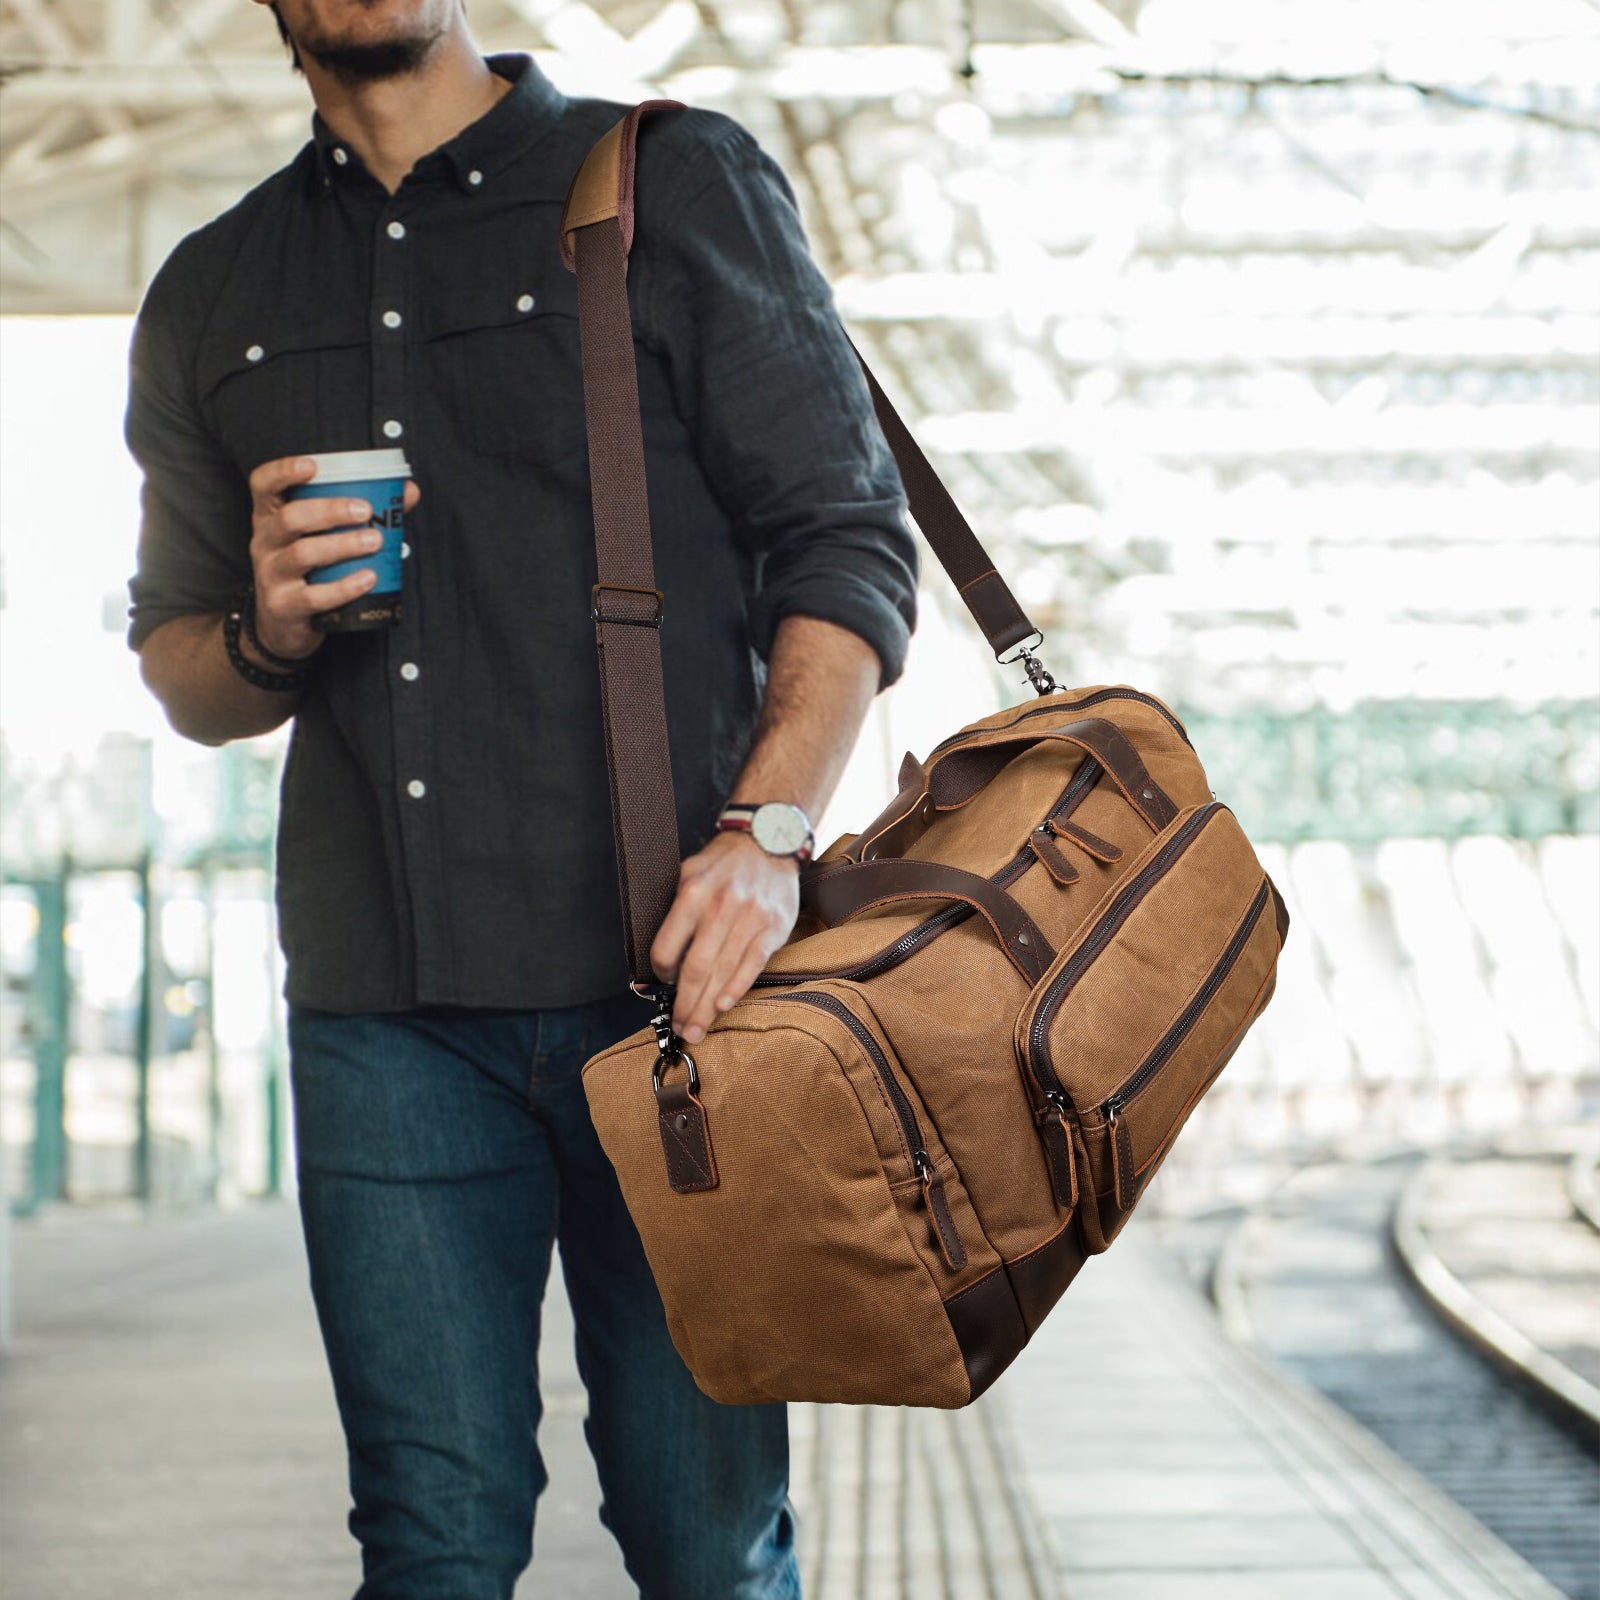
x=445 y=827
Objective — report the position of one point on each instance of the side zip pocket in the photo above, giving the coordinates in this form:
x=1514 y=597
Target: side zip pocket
x=933 y=1195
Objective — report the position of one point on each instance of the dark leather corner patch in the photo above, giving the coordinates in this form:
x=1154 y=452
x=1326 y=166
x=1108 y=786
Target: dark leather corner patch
x=1040 y=1278
x=988 y=1326
x=685 y=1139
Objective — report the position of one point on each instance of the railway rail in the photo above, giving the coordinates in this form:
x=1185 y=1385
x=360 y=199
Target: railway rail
x=1451 y=1306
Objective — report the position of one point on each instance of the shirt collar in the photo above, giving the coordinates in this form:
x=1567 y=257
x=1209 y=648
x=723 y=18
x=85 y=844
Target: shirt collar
x=532 y=106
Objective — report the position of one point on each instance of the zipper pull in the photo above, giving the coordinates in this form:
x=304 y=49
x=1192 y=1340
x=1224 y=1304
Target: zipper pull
x=1043 y=842
x=944 y=1225
x=1057 y=1135
x=1122 y=1176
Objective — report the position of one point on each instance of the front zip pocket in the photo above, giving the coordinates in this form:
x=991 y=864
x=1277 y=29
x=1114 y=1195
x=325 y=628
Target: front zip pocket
x=922 y=1166
x=1132 y=1023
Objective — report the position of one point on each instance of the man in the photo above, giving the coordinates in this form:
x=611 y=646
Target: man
x=446 y=882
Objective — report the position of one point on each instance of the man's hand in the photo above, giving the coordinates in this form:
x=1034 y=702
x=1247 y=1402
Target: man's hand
x=281 y=555
x=734 y=907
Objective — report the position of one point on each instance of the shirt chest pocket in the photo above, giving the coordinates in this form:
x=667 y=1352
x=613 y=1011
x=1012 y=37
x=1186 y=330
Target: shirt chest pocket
x=501 y=372
x=297 y=387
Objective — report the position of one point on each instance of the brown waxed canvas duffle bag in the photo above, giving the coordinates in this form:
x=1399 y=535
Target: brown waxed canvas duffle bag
x=1003 y=998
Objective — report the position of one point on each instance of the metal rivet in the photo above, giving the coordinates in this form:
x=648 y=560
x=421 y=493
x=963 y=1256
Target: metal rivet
x=681 y=1121
x=927 y=812
x=1022 y=938
x=1147 y=794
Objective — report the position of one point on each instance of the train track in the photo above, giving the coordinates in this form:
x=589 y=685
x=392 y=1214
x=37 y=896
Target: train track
x=1337 y=1275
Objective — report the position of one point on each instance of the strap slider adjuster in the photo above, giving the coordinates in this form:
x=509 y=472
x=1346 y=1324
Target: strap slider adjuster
x=653 y=620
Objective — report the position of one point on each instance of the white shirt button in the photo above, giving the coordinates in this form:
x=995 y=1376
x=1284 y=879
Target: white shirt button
x=396 y=230
x=391 y=319
x=525 y=302
x=254 y=353
x=416 y=788
x=409 y=670
x=392 y=429
x=340 y=155
x=405 y=550
x=475 y=178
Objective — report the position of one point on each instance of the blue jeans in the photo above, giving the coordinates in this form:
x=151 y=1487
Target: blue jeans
x=441 y=1154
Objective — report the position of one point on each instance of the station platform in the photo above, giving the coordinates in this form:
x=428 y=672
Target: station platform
x=169 y=1430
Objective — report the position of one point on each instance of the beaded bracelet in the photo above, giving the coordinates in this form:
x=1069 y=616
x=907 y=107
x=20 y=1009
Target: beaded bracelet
x=247 y=669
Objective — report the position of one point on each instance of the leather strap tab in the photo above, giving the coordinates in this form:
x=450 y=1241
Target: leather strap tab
x=1122 y=1174
x=685 y=1139
x=944 y=1225
x=1063 y=1166
x=1043 y=844
x=839 y=894
x=1092 y=842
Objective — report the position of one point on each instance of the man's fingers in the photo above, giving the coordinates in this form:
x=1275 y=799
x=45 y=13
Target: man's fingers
x=742 y=946
x=323 y=549
x=677 y=928
x=757 y=954
x=295 y=601
x=271 y=478
x=318 y=513
x=702 y=969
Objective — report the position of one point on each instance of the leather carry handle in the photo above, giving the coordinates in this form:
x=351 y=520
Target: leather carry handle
x=954 y=778
x=950 y=780
x=595 y=237
x=839 y=893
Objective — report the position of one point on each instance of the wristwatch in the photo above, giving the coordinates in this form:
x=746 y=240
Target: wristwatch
x=778 y=827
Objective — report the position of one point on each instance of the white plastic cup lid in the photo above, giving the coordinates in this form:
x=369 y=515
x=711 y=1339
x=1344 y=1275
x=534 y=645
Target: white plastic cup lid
x=359 y=466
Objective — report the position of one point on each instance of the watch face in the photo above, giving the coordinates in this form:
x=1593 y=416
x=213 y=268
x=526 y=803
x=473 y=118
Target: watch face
x=780 y=829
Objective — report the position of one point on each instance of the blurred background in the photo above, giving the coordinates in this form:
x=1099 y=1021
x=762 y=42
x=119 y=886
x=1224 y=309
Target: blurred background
x=1260 y=339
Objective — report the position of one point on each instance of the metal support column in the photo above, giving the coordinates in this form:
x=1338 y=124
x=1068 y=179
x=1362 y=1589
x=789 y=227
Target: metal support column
x=50 y=1011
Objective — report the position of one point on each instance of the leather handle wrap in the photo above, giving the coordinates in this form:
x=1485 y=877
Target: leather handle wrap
x=838 y=894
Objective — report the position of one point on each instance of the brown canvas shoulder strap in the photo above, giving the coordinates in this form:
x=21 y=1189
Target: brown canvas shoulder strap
x=596 y=235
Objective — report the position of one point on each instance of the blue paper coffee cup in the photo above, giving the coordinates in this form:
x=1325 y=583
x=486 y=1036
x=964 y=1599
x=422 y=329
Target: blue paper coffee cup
x=379 y=477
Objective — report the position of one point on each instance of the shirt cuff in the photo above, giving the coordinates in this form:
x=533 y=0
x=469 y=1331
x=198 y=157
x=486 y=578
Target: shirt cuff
x=841 y=597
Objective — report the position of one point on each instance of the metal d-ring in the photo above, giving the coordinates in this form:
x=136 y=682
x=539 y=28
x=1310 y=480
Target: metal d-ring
x=1038 y=674
x=665 y=1060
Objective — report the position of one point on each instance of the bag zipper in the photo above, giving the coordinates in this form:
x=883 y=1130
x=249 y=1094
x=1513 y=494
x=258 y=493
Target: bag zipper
x=1082 y=781
x=1099 y=937
x=1077 y=705
x=1181 y=1029
x=1114 y=1103
x=933 y=1194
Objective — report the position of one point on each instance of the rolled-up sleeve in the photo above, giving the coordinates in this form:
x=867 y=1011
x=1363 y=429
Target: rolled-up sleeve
x=784 y=426
x=194 y=530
